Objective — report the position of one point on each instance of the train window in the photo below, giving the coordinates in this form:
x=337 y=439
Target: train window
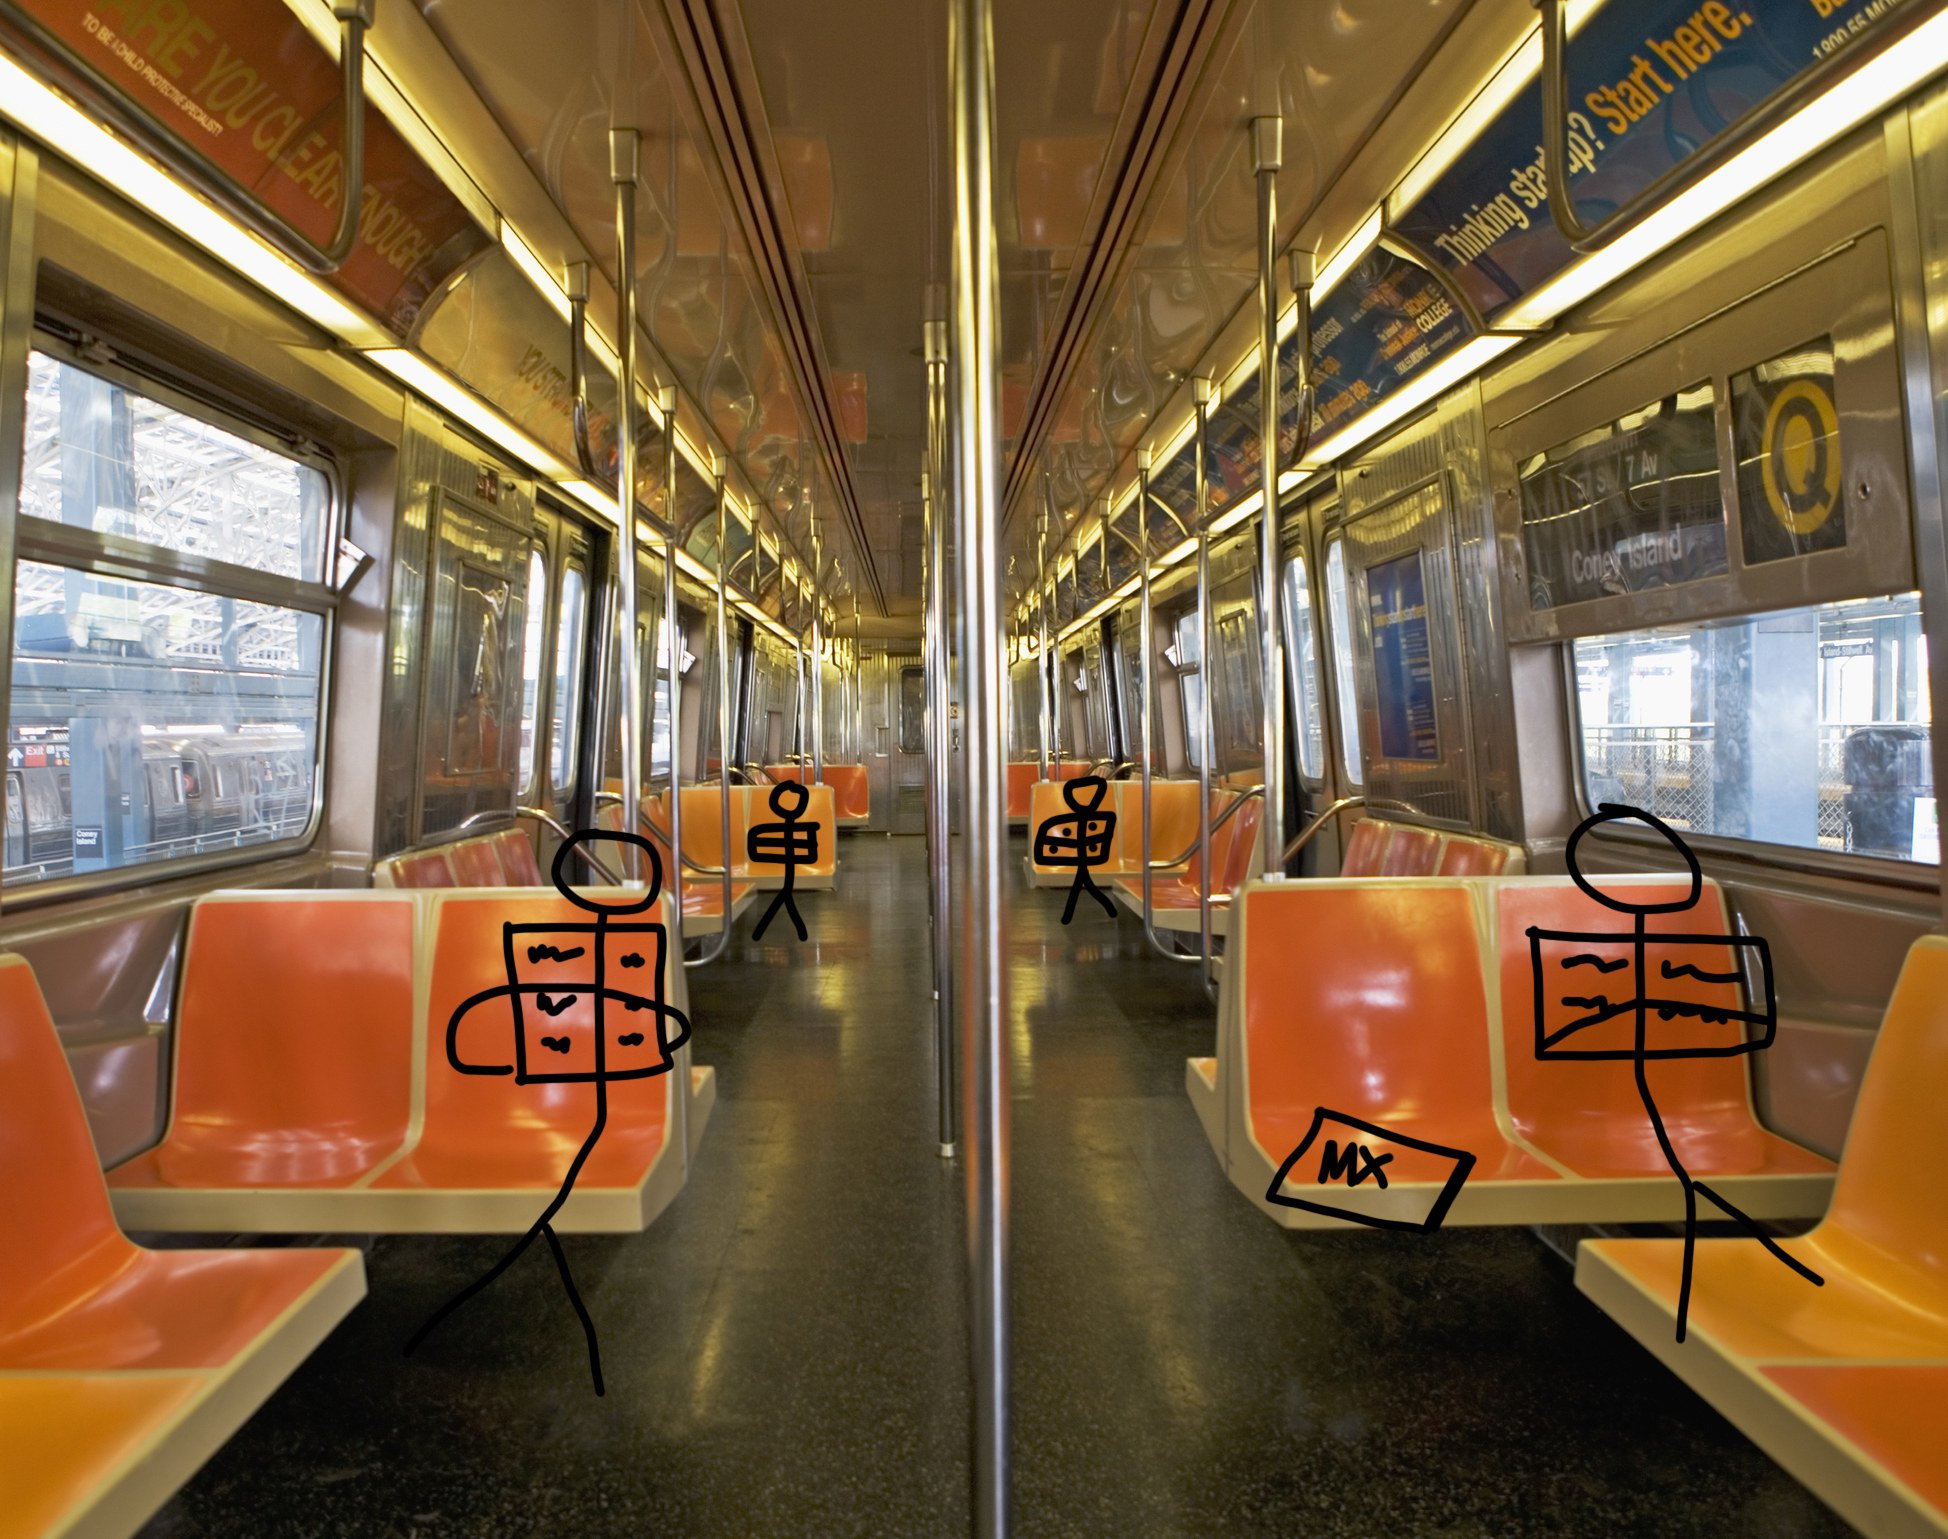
x=1806 y=727
x=102 y=456
x=913 y=710
x=1302 y=663
x=1189 y=663
x=1339 y=614
x=531 y=662
x=568 y=673
x=123 y=689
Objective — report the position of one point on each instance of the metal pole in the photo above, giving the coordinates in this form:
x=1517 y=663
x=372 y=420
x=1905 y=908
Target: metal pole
x=625 y=167
x=939 y=737
x=818 y=674
x=1265 y=144
x=1202 y=391
x=1044 y=667
x=984 y=972
x=673 y=662
x=723 y=698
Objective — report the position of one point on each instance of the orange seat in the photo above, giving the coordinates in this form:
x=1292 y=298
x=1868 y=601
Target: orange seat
x=851 y=793
x=516 y=854
x=751 y=807
x=1177 y=895
x=414 y=868
x=1408 y=1042
x=1366 y=849
x=1020 y=778
x=293 y=1051
x=141 y=1362
x=486 y=1139
x=475 y=864
x=1411 y=852
x=1472 y=857
x=1587 y=1114
x=1844 y=1383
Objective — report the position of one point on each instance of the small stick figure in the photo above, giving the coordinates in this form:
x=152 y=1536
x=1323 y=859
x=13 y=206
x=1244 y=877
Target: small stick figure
x=792 y=843
x=1087 y=846
x=1670 y=1003
x=572 y=1040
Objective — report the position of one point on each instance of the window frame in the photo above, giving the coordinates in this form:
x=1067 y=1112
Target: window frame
x=565 y=770
x=1302 y=666
x=535 y=622
x=1342 y=640
x=1881 y=870
x=120 y=557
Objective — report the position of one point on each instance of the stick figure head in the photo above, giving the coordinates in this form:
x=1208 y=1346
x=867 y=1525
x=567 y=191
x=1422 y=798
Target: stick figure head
x=1095 y=785
x=1611 y=812
x=559 y=871
x=789 y=799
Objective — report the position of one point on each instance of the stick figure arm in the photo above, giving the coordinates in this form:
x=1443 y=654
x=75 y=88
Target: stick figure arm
x=453 y=1033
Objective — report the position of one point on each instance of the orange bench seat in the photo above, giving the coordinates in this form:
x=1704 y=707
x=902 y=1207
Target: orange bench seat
x=501 y=859
x=121 y=1369
x=1408 y=1003
x=1845 y=1384
x=851 y=792
x=1377 y=847
x=1175 y=899
x=312 y=1089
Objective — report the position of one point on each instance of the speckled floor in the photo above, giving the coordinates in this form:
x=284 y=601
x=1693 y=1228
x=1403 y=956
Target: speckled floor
x=785 y=1347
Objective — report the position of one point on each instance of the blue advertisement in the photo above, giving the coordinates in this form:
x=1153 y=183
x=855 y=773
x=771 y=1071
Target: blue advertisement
x=1650 y=83
x=1403 y=661
x=1374 y=332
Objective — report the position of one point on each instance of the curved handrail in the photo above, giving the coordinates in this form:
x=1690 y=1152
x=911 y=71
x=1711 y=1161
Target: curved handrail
x=1326 y=814
x=660 y=834
x=553 y=825
x=1216 y=823
x=577 y=289
x=112 y=109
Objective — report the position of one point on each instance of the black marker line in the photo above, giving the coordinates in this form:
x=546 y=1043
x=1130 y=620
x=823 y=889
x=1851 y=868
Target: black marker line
x=550 y=954
x=1591 y=959
x=1686 y=970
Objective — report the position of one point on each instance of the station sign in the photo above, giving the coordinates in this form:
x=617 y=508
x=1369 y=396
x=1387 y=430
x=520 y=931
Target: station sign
x=245 y=86
x=1649 y=83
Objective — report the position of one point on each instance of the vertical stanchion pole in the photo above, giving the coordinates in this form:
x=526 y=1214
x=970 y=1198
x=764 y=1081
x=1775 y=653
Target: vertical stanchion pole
x=983 y=926
x=1202 y=391
x=1044 y=659
x=625 y=168
x=673 y=664
x=727 y=857
x=1266 y=156
x=818 y=674
x=939 y=733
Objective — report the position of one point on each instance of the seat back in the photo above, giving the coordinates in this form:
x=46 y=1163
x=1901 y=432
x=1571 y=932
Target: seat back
x=1411 y=852
x=62 y=1240
x=294 y=1038
x=1238 y=855
x=1365 y=998
x=414 y=868
x=1366 y=848
x=850 y=789
x=1462 y=856
x=1564 y=1104
x=1892 y=1172
x=753 y=810
x=517 y=857
x=475 y=864
x=501 y=1122
x=1021 y=777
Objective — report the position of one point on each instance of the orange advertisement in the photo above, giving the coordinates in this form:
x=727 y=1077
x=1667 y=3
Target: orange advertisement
x=245 y=86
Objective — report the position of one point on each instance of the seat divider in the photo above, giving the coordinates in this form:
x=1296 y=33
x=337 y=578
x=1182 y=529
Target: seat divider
x=423 y=939
x=1485 y=895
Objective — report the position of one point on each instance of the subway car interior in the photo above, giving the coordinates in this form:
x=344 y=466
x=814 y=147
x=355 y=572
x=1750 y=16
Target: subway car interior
x=920 y=767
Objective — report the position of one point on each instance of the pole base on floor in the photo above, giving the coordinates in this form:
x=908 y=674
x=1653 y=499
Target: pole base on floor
x=946 y=1151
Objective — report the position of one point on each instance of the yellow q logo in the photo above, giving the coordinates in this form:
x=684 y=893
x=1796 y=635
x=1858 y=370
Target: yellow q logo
x=1800 y=461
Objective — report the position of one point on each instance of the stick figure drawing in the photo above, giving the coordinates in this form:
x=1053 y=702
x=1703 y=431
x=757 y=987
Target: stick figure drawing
x=1691 y=984
x=1086 y=845
x=598 y=1023
x=791 y=842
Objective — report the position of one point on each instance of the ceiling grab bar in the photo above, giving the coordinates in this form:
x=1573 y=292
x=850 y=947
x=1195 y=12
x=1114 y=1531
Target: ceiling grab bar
x=577 y=289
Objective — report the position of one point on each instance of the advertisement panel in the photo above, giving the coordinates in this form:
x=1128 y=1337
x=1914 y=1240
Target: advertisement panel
x=242 y=84
x=1403 y=659
x=1649 y=84
x=1384 y=323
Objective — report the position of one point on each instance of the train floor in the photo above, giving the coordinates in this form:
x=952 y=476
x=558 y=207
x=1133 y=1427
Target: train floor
x=785 y=1348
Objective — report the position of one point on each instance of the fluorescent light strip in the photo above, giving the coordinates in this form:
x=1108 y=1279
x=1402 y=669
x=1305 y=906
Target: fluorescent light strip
x=544 y=281
x=48 y=118
x=1449 y=371
x=1866 y=92
x=1343 y=260
x=444 y=391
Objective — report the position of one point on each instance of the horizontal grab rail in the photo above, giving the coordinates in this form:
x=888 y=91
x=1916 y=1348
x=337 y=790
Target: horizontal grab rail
x=1304 y=836
x=553 y=825
x=660 y=834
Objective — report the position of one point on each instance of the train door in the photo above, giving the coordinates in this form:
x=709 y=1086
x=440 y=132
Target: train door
x=554 y=664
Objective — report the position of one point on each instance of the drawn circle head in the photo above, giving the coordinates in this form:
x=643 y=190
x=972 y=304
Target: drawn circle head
x=789 y=799
x=1095 y=785
x=1610 y=812
x=588 y=836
